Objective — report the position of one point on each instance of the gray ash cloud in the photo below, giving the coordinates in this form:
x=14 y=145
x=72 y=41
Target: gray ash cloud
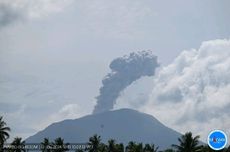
x=124 y=71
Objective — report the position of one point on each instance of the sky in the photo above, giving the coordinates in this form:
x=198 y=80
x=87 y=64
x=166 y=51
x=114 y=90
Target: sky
x=54 y=54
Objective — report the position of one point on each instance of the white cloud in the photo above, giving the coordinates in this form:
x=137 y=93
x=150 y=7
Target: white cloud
x=193 y=92
x=68 y=111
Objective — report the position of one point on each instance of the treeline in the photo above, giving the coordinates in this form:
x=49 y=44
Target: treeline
x=186 y=143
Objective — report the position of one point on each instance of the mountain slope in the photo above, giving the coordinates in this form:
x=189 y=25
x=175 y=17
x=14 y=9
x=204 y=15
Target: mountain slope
x=123 y=125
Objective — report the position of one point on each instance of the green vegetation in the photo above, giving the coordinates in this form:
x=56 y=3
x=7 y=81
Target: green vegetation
x=46 y=144
x=17 y=142
x=186 y=143
x=4 y=132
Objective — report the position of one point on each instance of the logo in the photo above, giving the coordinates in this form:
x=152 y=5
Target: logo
x=217 y=140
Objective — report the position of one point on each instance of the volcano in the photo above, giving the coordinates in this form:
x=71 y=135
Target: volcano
x=123 y=125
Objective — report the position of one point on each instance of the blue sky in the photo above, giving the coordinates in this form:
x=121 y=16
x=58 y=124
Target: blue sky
x=54 y=54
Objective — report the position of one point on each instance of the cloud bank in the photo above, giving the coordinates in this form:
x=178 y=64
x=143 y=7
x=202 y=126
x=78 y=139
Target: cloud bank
x=193 y=92
x=11 y=11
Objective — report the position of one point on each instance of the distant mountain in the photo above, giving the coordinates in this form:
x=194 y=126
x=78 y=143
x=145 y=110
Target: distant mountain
x=123 y=125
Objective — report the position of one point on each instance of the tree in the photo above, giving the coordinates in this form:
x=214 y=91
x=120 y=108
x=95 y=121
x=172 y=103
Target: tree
x=120 y=147
x=18 y=145
x=94 y=142
x=150 y=148
x=187 y=143
x=59 y=145
x=169 y=150
x=46 y=145
x=134 y=147
x=131 y=147
x=79 y=150
x=139 y=147
x=206 y=148
x=228 y=149
x=102 y=147
x=4 y=132
x=111 y=145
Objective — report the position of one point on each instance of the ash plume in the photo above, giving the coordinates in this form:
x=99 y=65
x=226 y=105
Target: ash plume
x=125 y=70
